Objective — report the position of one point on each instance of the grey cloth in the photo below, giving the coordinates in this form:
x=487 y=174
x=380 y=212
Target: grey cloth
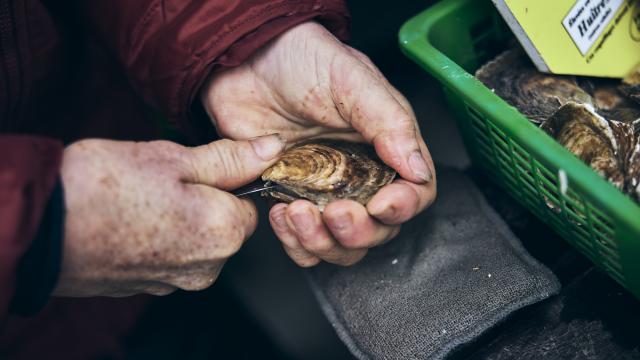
x=452 y=273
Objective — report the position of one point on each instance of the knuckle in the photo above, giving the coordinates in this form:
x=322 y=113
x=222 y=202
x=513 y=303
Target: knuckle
x=196 y=283
x=229 y=160
x=223 y=230
x=201 y=278
x=167 y=149
x=351 y=259
x=161 y=290
x=317 y=244
x=242 y=215
x=363 y=57
x=307 y=262
x=404 y=122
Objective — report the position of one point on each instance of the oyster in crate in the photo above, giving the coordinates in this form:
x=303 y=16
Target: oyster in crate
x=601 y=144
x=631 y=84
x=606 y=94
x=326 y=170
x=633 y=173
x=611 y=102
x=536 y=95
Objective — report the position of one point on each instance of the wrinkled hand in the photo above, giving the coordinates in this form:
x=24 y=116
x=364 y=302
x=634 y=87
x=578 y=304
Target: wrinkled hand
x=153 y=217
x=307 y=84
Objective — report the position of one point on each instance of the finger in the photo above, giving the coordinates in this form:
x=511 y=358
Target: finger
x=400 y=201
x=364 y=100
x=352 y=226
x=288 y=238
x=227 y=164
x=231 y=219
x=305 y=220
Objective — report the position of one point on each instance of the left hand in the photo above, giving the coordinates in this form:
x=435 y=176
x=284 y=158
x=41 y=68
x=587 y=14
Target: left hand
x=306 y=84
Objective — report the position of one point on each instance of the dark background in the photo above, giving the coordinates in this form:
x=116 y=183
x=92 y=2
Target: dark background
x=261 y=306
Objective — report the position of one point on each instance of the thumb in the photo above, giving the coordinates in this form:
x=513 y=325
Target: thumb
x=227 y=164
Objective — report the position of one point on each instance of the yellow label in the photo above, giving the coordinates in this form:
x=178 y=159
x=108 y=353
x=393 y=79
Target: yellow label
x=578 y=37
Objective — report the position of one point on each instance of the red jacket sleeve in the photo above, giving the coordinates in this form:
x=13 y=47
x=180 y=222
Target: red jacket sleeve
x=168 y=47
x=29 y=169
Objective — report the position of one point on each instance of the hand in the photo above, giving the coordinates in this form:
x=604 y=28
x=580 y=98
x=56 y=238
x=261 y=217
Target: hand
x=306 y=84
x=153 y=217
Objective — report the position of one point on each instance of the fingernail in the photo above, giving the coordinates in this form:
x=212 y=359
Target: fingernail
x=303 y=221
x=267 y=147
x=342 y=224
x=419 y=166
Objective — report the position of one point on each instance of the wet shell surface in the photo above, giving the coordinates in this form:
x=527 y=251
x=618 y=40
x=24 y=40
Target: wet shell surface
x=631 y=84
x=611 y=102
x=601 y=144
x=325 y=170
x=633 y=173
x=536 y=95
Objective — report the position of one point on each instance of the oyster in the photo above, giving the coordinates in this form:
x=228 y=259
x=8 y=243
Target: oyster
x=326 y=170
x=628 y=115
x=601 y=144
x=536 y=95
x=597 y=119
x=631 y=84
x=633 y=173
x=611 y=103
x=607 y=96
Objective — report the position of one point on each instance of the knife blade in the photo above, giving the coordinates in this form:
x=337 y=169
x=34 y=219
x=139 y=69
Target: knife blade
x=254 y=187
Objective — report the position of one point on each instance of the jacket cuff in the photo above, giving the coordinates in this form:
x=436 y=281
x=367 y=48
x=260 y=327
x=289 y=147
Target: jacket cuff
x=38 y=270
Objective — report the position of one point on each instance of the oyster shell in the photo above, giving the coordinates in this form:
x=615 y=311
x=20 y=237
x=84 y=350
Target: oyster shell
x=612 y=104
x=606 y=93
x=597 y=119
x=326 y=170
x=536 y=95
x=631 y=84
x=601 y=144
x=633 y=173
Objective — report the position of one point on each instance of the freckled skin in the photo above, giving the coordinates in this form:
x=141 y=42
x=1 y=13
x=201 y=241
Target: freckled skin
x=133 y=225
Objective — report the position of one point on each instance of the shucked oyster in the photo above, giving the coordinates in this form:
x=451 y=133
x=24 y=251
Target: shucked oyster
x=603 y=145
x=326 y=170
x=536 y=95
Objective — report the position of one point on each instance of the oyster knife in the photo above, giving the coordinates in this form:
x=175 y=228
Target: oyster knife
x=254 y=187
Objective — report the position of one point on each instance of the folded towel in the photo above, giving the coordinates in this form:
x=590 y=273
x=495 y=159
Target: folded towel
x=452 y=273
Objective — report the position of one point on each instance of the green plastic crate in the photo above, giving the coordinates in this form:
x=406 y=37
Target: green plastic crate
x=451 y=40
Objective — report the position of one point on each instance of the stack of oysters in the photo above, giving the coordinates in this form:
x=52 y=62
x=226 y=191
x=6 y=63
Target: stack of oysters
x=598 y=120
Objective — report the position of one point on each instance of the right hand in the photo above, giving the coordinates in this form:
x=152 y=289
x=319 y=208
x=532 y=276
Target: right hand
x=151 y=217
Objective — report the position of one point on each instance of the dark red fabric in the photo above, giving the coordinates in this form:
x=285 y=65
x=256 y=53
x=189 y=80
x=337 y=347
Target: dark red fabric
x=169 y=47
x=91 y=68
x=23 y=194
